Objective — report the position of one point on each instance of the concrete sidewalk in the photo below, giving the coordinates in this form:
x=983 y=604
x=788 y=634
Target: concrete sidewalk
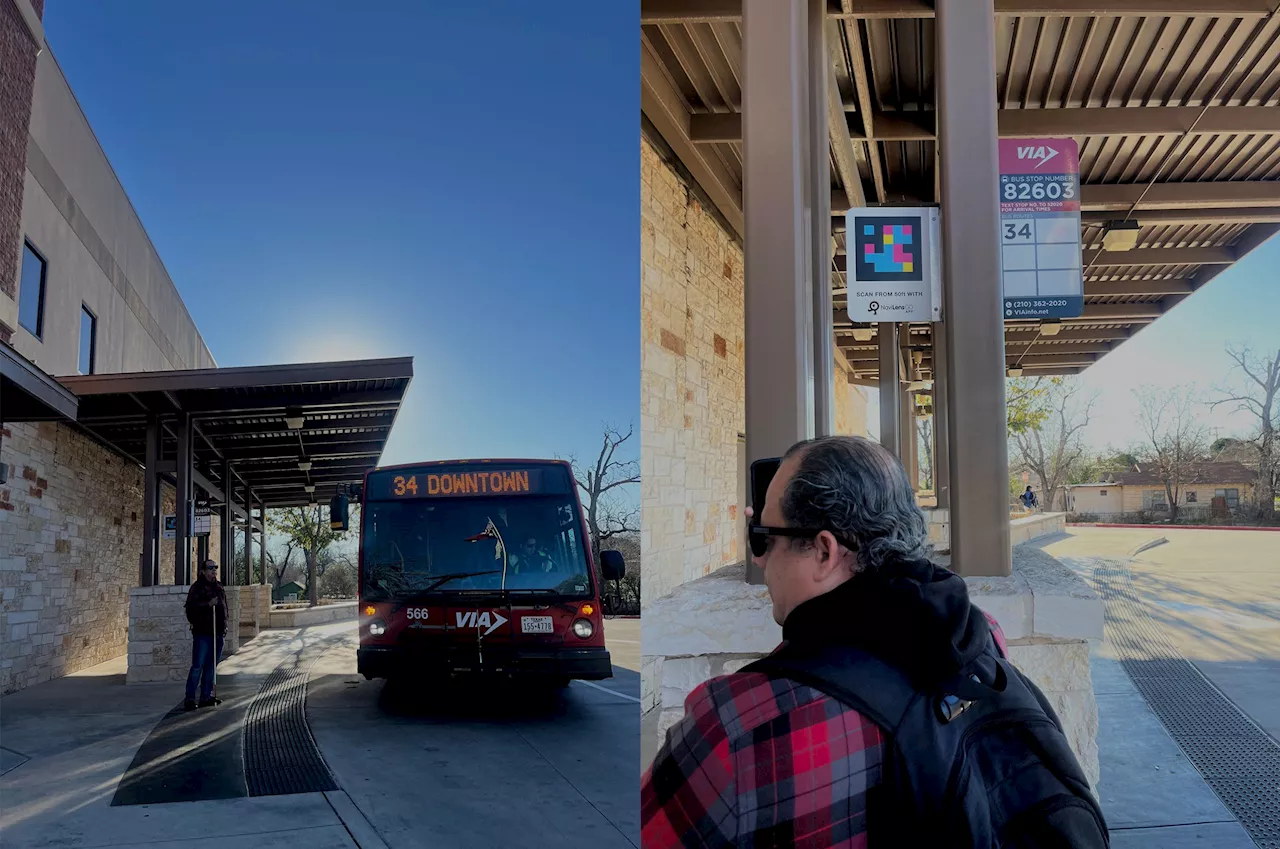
x=1151 y=794
x=68 y=743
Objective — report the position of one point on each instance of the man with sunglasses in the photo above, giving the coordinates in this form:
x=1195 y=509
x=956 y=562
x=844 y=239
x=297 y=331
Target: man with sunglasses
x=771 y=755
x=207 y=612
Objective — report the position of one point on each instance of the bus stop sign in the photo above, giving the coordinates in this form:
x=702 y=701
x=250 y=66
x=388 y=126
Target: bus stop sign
x=1040 y=228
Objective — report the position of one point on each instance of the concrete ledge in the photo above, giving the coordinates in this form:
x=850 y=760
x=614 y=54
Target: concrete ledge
x=710 y=615
x=1035 y=526
x=304 y=616
x=1042 y=598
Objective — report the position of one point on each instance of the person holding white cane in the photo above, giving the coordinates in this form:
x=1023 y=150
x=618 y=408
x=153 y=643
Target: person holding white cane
x=207 y=612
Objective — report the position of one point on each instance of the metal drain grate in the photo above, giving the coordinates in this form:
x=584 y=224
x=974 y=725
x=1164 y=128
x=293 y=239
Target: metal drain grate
x=1236 y=757
x=280 y=755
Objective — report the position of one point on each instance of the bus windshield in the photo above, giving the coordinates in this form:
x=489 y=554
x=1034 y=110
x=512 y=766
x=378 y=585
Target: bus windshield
x=524 y=545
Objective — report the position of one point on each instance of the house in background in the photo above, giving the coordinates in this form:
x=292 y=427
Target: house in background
x=1140 y=490
x=292 y=591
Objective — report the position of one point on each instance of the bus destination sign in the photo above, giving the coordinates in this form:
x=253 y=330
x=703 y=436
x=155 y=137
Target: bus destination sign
x=455 y=482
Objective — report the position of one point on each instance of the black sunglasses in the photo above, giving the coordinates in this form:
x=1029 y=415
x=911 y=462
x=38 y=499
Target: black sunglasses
x=758 y=537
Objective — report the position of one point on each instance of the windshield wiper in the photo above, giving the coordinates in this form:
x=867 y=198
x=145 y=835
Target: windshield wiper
x=418 y=595
x=444 y=579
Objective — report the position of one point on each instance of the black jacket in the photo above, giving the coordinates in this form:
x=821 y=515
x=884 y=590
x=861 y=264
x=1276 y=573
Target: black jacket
x=198 y=614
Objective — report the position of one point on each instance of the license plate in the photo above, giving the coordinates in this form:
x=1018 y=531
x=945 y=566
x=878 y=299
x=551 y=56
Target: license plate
x=536 y=625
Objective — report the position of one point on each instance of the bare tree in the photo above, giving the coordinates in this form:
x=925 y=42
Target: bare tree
x=1051 y=449
x=1174 y=439
x=608 y=515
x=282 y=563
x=1258 y=398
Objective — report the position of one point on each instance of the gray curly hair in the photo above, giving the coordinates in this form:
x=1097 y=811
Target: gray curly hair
x=858 y=490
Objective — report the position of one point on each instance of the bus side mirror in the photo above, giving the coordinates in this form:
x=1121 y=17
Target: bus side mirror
x=612 y=565
x=339 y=514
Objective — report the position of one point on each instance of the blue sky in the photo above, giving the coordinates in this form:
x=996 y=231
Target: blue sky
x=1185 y=347
x=453 y=181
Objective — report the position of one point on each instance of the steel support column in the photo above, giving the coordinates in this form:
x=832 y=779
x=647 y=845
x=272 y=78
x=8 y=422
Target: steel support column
x=262 y=545
x=228 y=554
x=890 y=407
x=910 y=438
x=941 y=443
x=248 y=536
x=781 y=217
x=182 y=504
x=972 y=298
x=149 y=567
x=819 y=223
x=905 y=422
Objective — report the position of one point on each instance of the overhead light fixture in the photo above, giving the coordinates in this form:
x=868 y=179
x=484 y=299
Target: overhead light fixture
x=1120 y=235
x=1050 y=327
x=304 y=465
x=310 y=488
x=294 y=418
x=1015 y=371
x=864 y=334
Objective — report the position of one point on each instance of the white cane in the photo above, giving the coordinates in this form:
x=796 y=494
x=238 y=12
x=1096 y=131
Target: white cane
x=213 y=615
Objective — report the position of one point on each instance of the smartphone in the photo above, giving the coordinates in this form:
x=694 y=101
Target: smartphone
x=762 y=472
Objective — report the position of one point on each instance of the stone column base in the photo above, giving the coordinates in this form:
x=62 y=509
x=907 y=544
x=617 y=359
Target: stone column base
x=159 y=635
x=231 y=644
x=251 y=619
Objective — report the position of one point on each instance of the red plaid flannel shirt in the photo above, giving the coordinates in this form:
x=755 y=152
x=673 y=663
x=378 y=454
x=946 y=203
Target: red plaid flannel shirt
x=763 y=763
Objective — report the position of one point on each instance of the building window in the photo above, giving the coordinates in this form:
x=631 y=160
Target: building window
x=88 y=340
x=1191 y=498
x=1153 y=499
x=1232 y=496
x=31 y=295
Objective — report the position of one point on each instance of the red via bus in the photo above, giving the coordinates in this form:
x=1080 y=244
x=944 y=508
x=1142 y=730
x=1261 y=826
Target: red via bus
x=479 y=567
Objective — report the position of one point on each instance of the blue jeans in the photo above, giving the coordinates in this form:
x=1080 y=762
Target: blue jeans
x=203 y=660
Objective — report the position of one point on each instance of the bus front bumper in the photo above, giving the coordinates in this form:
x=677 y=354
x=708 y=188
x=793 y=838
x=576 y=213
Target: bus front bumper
x=589 y=664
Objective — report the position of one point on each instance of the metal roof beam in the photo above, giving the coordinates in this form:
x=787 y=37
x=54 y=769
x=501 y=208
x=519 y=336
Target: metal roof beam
x=663 y=105
x=1120 y=197
x=238 y=378
x=1120 y=288
x=1082 y=122
x=653 y=12
x=1208 y=215
x=1159 y=256
x=283 y=451
x=218 y=404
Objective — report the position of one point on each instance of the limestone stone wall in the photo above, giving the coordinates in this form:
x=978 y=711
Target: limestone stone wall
x=692 y=382
x=70 y=537
x=159 y=635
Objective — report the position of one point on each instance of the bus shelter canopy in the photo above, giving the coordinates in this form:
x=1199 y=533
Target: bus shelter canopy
x=1175 y=105
x=279 y=430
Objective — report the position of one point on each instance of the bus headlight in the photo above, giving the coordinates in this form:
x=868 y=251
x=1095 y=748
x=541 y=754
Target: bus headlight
x=377 y=628
x=583 y=628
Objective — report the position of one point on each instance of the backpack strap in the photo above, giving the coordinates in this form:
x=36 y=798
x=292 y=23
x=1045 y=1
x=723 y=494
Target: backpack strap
x=860 y=680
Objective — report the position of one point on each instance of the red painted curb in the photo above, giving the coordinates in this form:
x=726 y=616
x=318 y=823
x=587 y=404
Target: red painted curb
x=1174 y=527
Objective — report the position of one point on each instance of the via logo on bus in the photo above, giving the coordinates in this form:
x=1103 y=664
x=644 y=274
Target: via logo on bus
x=490 y=620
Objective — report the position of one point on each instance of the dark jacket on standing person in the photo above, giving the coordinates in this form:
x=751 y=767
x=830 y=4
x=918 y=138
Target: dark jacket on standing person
x=198 y=598
x=768 y=762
